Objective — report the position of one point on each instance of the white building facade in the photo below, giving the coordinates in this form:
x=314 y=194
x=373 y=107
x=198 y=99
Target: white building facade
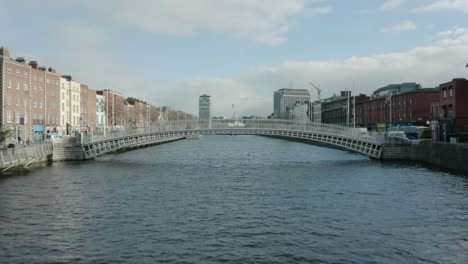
x=70 y=112
x=100 y=110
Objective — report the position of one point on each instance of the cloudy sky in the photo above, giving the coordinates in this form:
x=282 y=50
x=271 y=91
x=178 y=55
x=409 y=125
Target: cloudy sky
x=169 y=52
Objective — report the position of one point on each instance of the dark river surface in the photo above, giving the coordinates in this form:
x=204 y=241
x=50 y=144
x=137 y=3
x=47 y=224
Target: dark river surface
x=233 y=199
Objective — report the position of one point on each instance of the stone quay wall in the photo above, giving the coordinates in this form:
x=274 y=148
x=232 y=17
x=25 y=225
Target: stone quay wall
x=452 y=157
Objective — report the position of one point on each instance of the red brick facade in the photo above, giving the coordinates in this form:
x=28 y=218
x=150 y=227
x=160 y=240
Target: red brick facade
x=451 y=110
x=406 y=108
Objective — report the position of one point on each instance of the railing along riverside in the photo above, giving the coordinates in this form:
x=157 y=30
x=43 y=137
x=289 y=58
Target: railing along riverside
x=24 y=154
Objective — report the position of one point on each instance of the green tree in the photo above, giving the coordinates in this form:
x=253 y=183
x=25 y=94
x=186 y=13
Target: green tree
x=4 y=134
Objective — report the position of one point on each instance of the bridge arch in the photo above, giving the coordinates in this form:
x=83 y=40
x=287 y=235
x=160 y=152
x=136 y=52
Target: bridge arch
x=316 y=133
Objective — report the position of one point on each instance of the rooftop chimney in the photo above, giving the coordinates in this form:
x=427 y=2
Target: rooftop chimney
x=42 y=68
x=68 y=77
x=33 y=64
x=52 y=70
x=21 y=60
x=4 y=51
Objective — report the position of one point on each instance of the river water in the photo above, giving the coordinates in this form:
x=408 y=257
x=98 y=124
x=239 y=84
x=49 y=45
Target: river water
x=233 y=199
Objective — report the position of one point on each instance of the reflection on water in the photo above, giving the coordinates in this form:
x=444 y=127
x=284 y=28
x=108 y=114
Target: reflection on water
x=234 y=199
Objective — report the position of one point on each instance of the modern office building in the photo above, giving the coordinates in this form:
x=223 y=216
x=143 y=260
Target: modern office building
x=204 y=107
x=396 y=89
x=284 y=101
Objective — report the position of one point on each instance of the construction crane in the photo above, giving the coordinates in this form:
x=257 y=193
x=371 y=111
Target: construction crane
x=318 y=89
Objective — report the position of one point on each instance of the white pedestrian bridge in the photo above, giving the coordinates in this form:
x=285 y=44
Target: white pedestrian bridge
x=335 y=136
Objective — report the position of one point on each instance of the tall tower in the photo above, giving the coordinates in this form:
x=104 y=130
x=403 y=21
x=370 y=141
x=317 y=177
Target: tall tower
x=204 y=107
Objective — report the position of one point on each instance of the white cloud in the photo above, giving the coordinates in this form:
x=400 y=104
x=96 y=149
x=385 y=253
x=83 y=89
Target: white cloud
x=440 y=5
x=319 y=11
x=265 y=21
x=402 y=27
x=456 y=37
x=85 y=51
x=457 y=31
x=252 y=90
x=391 y=4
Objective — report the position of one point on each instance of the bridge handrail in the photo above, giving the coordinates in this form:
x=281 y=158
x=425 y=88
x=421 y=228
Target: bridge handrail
x=21 y=153
x=273 y=124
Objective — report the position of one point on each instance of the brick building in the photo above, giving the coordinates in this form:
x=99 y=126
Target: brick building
x=91 y=110
x=451 y=112
x=407 y=108
x=115 y=108
x=140 y=113
x=340 y=109
x=29 y=98
x=88 y=108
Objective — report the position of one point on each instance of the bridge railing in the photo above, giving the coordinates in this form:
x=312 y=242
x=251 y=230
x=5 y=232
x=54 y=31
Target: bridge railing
x=272 y=124
x=24 y=153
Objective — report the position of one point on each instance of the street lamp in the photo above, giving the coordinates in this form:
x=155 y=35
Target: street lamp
x=389 y=100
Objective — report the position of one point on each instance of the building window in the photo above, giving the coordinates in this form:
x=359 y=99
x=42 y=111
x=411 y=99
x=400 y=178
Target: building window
x=25 y=86
x=9 y=83
x=17 y=85
x=35 y=103
x=40 y=89
x=34 y=77
x=25 y=74
x=40 y=79
x=445 y=92
x=18 y=100
x=9 y=100
x=450 y=92
x=17 y=72
x=8 y=116
x=10 y=70
x=35 y=89
x=40 y=104
x=17 y=117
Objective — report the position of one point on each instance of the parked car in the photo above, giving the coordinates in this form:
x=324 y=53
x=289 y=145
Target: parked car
x=399 y=134
x=53 y=138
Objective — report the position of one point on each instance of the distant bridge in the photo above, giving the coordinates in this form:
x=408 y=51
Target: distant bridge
x=336 y=136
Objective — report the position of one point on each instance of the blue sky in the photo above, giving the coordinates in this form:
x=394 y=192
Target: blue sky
x=239 y=51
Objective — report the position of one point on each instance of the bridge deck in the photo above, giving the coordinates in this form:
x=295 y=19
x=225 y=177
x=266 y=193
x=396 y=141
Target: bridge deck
x=325 y=135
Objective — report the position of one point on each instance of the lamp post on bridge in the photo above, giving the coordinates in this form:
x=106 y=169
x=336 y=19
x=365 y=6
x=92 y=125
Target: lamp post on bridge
x=389 y=101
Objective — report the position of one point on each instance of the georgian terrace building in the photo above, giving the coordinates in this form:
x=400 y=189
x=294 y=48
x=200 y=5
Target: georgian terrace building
x=29 y=98
x=36 y=100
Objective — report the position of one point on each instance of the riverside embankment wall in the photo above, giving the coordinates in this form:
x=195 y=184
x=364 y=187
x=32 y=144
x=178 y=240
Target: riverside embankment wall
x=453 y=157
